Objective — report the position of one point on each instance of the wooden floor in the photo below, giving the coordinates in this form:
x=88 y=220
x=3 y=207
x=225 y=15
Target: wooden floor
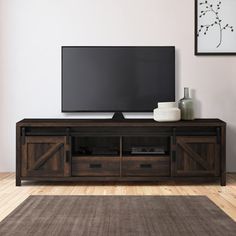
x=11 y=196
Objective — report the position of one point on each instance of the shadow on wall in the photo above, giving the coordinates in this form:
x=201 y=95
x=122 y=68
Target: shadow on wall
x=179 y=91
x=230 y=148
x=177 y=74
x=197 y=104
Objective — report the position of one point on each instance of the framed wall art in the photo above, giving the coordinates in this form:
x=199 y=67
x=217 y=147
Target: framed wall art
x=215 y=27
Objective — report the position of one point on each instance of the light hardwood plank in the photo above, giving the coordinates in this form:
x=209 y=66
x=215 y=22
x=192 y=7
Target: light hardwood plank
x=12 y=196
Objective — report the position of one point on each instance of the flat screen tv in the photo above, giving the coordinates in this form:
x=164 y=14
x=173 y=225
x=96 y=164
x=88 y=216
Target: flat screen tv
x=116 y=79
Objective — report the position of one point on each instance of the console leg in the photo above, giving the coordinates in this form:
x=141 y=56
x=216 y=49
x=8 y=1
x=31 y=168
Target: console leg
x=223 y=156
x=223 y=179
x=18 y=182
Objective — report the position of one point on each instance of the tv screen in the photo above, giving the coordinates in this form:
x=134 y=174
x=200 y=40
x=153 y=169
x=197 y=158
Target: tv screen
x=117 y=79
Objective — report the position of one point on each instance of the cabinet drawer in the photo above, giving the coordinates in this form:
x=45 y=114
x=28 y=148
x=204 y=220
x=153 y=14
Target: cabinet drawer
x=146 y=166
x=95 y=166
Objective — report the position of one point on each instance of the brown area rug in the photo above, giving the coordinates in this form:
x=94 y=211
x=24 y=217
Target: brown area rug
x=117 y=215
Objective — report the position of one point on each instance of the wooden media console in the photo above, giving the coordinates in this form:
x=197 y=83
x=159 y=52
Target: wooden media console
x=104 y=150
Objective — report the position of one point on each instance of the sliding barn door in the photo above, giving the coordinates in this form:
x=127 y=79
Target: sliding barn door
x=45 y=156
x=196 y=156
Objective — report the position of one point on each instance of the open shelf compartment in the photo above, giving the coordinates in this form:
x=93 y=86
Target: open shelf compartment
x=145 y=146
x=95 y=146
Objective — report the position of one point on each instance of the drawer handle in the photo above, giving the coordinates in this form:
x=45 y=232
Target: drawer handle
x=95 y=166
x=146 y=166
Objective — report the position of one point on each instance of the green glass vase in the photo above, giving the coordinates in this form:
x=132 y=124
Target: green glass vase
x=186 y=106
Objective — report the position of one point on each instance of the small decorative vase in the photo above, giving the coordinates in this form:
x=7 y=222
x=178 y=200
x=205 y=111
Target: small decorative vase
x=186 y=106
x=166 y=112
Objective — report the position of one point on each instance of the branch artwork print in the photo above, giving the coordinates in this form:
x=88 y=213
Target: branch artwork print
x=209 y=8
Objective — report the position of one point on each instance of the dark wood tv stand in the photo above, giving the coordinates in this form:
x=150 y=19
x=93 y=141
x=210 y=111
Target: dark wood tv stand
x=103 y=150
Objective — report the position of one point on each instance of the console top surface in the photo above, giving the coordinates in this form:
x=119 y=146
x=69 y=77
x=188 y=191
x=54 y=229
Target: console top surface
x=110 y=122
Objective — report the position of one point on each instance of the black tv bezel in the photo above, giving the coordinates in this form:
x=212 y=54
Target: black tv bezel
x=99 y=111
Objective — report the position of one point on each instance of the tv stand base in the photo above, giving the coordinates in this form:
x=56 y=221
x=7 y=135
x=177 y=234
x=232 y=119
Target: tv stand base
x=64 y=150
x=118 y=116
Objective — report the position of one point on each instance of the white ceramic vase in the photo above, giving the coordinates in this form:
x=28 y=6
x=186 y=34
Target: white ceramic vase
x=167 y=112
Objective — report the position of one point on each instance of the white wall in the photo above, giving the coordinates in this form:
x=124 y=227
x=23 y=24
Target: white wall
x=32 y=32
